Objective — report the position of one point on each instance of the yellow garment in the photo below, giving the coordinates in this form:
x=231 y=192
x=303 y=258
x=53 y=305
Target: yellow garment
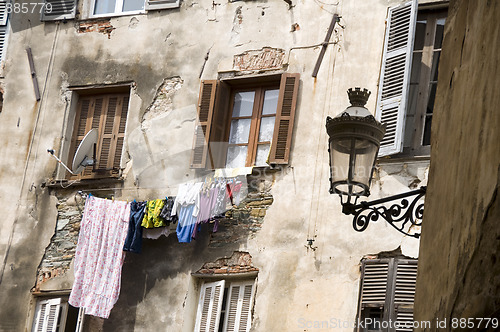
x=152 y=215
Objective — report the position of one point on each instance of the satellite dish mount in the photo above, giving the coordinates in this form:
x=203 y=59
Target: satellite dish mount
x=82 y=159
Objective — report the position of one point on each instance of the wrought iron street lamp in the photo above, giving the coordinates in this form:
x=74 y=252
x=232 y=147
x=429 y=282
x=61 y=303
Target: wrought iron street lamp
x=354 y=141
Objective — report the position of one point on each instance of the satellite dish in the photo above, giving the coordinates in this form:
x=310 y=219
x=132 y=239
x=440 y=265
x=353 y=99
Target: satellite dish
x=85 y=153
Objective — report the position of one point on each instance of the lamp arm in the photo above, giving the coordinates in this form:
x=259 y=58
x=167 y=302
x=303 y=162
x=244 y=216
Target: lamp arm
x=398 y=215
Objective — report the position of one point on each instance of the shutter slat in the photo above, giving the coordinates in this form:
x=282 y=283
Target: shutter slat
x=395 y=74
x=374 y=285
x=283 y=127
x=3 y=12
x=59 y=10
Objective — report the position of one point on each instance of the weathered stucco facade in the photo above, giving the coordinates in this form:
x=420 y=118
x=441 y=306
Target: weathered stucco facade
x=458 y=276
x=161 y=56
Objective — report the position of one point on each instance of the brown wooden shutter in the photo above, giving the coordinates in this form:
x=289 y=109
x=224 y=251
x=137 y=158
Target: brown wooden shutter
x=218 y=142
x=206 y=104
x=404 y=293
x=107 y=114
x=283 y=127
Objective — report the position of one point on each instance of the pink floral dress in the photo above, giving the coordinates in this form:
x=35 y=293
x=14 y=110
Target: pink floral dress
x=99 y=256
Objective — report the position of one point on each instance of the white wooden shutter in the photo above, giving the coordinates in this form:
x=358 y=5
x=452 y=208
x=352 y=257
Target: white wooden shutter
x=4 y=15
x=46 y=315
x=404 y=293
x=374 y=284
x=395 y=75
x=161 y=4
x=209 y=307
x=58 y=10
x=239 y=306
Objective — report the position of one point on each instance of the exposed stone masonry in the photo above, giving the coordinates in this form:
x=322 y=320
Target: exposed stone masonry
x=61 y=250
x=239 y=262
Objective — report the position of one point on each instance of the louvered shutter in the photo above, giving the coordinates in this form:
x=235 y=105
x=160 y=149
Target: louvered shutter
x=206 y=104
x=395 y=75
x=162 y=4
x=404 y=293
x=283 y=126
x=58 y=10
x=46 y=315
x=4 y=15
x=239 y=305
x=107 y=114
x=209 y=307
x=374 y=283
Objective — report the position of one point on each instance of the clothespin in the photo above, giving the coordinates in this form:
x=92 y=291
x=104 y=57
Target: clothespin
x=113 y=199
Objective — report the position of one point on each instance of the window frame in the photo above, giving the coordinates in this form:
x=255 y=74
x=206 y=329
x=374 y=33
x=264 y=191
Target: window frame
x=256 y=118
x=416 y=145
x=118 y=4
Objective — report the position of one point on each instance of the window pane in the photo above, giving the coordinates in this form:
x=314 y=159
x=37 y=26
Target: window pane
x=435 y=64
x=270 y=102
x=104 y=6
x=266 y=129
x=243 y=103
x=131 y=5
x=240 y=130
x=420 y=35
x=262 y=154
x=438 y=41
x=427 y=130
x=236 y=156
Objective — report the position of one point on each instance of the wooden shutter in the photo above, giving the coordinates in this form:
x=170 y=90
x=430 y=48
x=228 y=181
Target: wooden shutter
x=218 y=144
x=46 y=315
x=59 y=10
x=374 y=283
x=283 y=126
x=4 y=15
x=107 y=114
x=239 y=307
x=395 y=75
x=206 y=104
x=404 y=293
x=209 y=307
x=162 y=4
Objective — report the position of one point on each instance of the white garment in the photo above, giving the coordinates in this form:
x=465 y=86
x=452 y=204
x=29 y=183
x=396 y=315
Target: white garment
x=188 y=193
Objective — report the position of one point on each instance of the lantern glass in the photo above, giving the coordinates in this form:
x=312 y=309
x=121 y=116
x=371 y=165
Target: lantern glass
x=352 y=161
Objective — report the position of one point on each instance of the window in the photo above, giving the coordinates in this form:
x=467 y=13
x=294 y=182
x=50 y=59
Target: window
x=56 y=314
x=66 y=9
x=408 y=78
x=387 y=294
x=245 y=122
x=225 y=306
x=106 y=112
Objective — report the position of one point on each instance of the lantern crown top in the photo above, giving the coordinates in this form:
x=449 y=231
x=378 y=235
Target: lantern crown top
x=358 y=97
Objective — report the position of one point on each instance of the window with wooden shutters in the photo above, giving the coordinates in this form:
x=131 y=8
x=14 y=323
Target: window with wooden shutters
x=107 y=113
x=387 y=293
x=245 y=122
x=4 y=18
x=395 y=75
x=408 y=77
x=56 y=314
x=58 y=10
x=226 y=309
x=47 y=315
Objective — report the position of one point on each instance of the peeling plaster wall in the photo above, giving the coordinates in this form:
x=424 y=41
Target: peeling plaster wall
x=162 y=55
x=459 y=272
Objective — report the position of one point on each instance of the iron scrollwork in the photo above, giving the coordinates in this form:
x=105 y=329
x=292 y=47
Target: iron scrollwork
x=403 y=216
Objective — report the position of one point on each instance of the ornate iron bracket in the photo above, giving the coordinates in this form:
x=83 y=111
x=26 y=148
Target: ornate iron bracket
x=402 y=216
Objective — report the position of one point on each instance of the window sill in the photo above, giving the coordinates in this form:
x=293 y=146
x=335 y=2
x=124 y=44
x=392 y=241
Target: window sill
x=65 y=183
x=402 y=158
x=110 y=15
